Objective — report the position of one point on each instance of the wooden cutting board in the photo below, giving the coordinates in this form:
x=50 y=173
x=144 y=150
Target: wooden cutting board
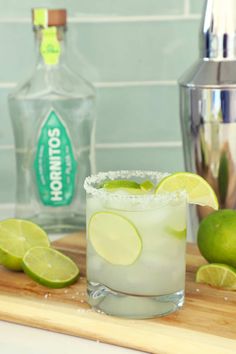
x=205 y=325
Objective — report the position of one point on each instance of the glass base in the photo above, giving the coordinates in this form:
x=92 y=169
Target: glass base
x=103 y=299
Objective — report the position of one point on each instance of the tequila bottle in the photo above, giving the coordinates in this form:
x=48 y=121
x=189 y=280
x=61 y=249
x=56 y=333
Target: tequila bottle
x=53 y=122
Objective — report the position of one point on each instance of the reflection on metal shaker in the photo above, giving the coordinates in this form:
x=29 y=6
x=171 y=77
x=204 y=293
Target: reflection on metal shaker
x=208 y=105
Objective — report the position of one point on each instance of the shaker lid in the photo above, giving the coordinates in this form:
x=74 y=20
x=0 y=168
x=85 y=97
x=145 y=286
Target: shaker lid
x=218 y=34
x=43 y=17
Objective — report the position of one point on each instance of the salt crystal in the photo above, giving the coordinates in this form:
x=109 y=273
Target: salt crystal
x=81 y=310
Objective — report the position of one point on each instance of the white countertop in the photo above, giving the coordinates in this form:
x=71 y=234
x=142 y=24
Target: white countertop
x=17 y=339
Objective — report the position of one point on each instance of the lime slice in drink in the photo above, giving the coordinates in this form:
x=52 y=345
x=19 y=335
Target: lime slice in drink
x=197 y=189
x=16 y=237
x=147 y=186
x=114 y=238
x=131 y=187
x=218 y=275
x=49 y=267
x=120 y=183
x=180 y=234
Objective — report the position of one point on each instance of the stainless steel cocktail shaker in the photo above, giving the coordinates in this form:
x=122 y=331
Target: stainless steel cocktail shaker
x=208 y=105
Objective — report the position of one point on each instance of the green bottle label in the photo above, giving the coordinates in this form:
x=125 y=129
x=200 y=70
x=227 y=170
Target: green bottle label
x=55 y=164
x=50 y=48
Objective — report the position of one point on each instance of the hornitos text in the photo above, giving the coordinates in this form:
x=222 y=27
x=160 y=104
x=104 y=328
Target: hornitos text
x=55 y=164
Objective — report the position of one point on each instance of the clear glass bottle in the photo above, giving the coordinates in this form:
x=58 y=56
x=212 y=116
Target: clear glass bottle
x=53 y=121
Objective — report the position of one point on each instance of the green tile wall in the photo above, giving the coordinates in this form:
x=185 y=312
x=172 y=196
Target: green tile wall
x=134 y=51
x=138 y=114
x=163 y=160
x=137 y=51
x=7 y=176
x=97 y=7
x=6 y=134
x=196 y=6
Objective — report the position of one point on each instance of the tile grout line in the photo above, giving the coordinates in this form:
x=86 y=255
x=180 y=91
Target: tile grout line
x=8 y=84
x=132 y=145
x=121 y=19
x=135 y=83
x=7 y=147
x=86 y=19
x=129 y=145
x=7 y=206
x=114 y=84
x=186 y=8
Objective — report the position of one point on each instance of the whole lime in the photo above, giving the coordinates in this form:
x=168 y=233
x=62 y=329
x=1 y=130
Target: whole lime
x=217 y=237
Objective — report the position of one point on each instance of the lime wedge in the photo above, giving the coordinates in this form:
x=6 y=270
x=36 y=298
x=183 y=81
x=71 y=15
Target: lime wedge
x=198 y=190
x=147 y=186
x=49 y=267
x=114 y=238
x=218 y=275
x=120 y=183
x=16 y=237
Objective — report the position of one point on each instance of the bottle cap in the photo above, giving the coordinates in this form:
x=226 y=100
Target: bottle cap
x=43 y=17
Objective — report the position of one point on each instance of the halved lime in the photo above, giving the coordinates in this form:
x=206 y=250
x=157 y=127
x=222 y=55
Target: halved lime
x=114 y=238
x=16 y=237
x=197 y=188
x=218 y=275
x=50 y=267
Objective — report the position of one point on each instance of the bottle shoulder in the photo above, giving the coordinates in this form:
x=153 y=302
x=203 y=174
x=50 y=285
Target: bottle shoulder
x=209 y=73
x=54 y=81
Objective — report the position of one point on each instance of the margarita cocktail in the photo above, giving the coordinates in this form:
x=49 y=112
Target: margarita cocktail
x=135 y=244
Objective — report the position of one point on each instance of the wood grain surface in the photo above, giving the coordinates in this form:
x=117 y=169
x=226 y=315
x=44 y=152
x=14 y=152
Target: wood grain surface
x=205 y=325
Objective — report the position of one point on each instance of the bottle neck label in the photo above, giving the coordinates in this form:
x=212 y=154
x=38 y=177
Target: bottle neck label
x=50 y=47
x=55 y=165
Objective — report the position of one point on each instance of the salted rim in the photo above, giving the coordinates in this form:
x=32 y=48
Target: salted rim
x=91 y=186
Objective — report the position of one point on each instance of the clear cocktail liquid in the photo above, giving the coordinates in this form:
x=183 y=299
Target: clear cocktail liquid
x=53 y=121
x=153 y=284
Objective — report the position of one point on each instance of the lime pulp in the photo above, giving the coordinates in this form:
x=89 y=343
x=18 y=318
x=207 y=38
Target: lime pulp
x=217 y=275
x=50 y=267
